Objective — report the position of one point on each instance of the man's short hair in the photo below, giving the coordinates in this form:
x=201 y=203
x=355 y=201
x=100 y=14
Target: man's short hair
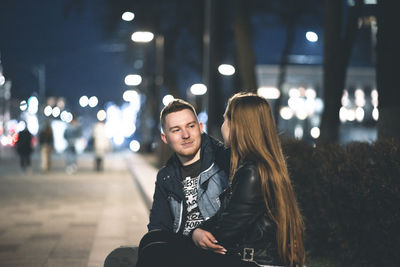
x=175 y=106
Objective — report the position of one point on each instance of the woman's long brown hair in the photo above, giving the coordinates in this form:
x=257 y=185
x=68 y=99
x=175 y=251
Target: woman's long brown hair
x=253 y=136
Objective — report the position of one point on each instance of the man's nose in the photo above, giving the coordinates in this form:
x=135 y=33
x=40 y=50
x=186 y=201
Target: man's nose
x=185 y=134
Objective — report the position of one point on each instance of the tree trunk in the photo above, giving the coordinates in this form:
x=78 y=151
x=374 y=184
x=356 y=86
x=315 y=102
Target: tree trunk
x=209 y=65
x=387 y=70
x=337 y=52
x=290 y=35
x=244 y=49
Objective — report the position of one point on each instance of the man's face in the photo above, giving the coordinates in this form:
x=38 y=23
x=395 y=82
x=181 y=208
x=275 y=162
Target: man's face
x=225 y=128
x=182 y=132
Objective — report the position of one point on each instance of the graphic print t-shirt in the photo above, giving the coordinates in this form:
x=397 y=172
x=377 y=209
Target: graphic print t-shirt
x=190 y=180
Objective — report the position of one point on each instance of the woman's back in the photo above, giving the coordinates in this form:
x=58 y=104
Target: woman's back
x=243 y=226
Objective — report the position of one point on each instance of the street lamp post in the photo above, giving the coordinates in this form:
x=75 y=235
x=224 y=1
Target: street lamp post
x=154 y=92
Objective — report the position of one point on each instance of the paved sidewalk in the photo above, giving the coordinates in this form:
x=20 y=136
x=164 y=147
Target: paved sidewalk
x=56 y=219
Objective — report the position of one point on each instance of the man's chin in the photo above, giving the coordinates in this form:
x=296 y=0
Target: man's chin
x=187 y=153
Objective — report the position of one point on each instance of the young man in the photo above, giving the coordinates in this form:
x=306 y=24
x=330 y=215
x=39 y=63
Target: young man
x=188 y=187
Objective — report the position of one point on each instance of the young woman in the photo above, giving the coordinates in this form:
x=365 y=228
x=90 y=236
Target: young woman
x=259 y=223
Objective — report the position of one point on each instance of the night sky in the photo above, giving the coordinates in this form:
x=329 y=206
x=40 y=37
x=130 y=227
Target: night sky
x=72 y=48
x=78 y=59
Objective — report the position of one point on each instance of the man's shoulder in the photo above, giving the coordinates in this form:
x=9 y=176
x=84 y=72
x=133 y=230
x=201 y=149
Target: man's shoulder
x=163 y=171
x=212 y=148
x=213 y=142
x=215 y=152
x=167 y=169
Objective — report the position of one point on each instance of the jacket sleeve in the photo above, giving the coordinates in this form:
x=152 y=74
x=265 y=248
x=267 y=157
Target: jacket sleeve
x=245 y=206
x=160 y=215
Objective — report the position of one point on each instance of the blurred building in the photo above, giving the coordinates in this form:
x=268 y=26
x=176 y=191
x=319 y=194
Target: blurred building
x=302 y=105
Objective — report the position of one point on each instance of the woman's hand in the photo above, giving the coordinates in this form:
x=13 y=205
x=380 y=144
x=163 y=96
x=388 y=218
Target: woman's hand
x=206 y=240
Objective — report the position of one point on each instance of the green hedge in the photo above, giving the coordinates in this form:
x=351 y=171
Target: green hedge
x=350 y=199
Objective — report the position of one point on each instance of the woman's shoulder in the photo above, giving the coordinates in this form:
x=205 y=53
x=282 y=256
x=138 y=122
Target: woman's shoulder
x=247 y=165
x=248 y=171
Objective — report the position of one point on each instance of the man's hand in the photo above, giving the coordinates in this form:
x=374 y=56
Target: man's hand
x=206 y=240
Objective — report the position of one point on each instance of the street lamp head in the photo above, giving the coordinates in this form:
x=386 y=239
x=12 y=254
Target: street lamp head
x=128 y=16
x=312 y=36
x=142 y=37
x=198 y=89
x=133 y=79
x=226 y=69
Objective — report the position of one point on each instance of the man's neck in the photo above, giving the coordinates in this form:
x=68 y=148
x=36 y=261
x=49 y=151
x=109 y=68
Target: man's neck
x=189 y=160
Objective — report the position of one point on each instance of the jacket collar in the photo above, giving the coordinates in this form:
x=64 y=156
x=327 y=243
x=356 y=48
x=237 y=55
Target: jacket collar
x=207 y=157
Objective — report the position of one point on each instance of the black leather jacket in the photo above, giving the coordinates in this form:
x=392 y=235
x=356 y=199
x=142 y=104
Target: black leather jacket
x=242 y=225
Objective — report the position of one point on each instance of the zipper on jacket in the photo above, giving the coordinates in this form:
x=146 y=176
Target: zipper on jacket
x=180 y=218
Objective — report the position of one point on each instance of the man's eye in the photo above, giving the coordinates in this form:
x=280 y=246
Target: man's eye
x=175 y=130
x=191 y=126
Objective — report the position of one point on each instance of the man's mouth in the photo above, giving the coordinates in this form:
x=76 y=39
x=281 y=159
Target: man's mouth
x=187 y=144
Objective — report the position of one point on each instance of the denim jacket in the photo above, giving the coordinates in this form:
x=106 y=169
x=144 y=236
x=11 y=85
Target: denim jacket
x=169 y=207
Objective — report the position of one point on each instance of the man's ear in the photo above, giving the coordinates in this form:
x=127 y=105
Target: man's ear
x=164 y=138
x=201 y=127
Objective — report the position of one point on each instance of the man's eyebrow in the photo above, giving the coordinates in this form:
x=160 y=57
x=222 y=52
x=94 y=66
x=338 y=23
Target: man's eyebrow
x=177 y=126
x=173 y=127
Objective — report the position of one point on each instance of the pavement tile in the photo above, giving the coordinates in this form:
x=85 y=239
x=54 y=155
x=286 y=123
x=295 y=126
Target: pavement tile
x=22 y=263
x=45 y=237
x=19 y=211
x=65 y=215
x=66 y=263
x=55 y=219
x=83 y=224
x=70 y=254
x=28 y=224
x=17 y=234
x=8 y=247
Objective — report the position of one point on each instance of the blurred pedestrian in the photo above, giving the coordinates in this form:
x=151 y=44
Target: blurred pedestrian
x=46 y=146
x=101 y=145
x=24 y=149
x=71 y=135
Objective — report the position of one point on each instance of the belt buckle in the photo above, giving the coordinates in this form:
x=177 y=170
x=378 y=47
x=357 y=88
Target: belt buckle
x=248 y=254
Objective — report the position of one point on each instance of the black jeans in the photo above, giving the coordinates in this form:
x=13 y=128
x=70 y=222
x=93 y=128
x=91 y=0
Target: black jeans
x=25 y=160
x=164 y=249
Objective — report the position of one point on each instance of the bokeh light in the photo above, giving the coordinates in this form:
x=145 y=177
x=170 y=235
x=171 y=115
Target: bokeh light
x=56 y=112
x=142 y=37
x=93 y=101
x=101 y=115
x=133 y=79
x=128 y=16
x=83 y=101
x=226 y=69
x=23 y=105
x=312 y=36
x=198 y=89
x=269 y=92
x=134 y=145
x=48 y=110
x=167 y=99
